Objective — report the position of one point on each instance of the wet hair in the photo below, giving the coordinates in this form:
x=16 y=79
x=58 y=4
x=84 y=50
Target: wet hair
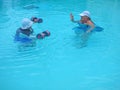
x=89 y=18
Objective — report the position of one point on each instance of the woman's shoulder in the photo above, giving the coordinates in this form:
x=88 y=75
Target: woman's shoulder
x=89 y=22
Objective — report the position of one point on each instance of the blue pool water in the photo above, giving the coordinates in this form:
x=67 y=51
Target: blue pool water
x=57 y=62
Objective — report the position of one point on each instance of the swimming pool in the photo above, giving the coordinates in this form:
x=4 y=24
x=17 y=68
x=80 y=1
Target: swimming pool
x=57 y=62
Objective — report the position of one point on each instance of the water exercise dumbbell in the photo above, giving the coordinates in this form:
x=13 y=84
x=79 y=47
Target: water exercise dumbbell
x=46 y=33
x=37 y=20
x=43 y=34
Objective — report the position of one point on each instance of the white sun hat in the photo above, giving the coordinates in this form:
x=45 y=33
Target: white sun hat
x=26 y=23
x=85 y=13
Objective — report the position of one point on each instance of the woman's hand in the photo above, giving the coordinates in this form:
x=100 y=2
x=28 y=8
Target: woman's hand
x=88 y=31
x=91 y=24
x=71 y=17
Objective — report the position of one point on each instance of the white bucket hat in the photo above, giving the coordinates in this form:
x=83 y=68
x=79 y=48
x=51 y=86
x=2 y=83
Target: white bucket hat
x=85 y=13
x=26 y=23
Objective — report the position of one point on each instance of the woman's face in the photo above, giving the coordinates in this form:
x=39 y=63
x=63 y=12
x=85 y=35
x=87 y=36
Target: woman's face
x=84 y=19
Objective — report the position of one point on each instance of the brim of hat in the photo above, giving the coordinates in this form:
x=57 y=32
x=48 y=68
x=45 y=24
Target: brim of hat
x=26 y=27
x=81 y=14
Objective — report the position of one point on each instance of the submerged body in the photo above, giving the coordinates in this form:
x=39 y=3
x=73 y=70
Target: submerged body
x=24 y=35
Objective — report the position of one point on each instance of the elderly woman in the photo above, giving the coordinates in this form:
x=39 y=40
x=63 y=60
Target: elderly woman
x=87 y=25
x=85 y=19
